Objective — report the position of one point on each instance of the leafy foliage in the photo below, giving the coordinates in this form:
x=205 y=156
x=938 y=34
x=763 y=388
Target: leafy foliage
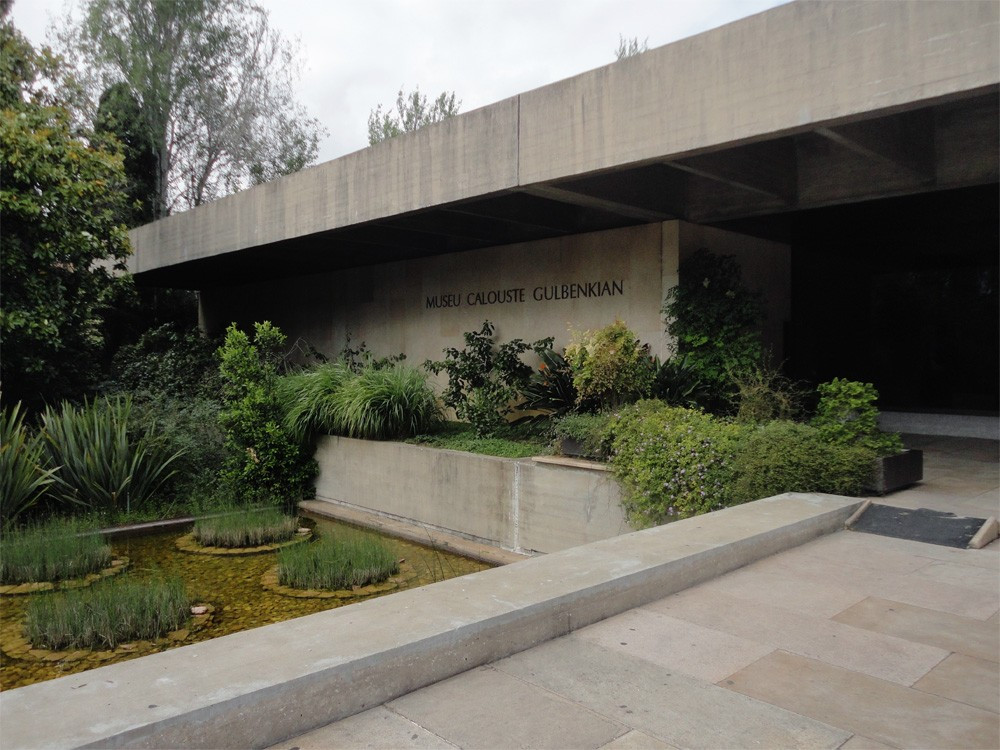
x=170 y=362
x=551 y=388
x=120 y=115
x=263 y=463
x=412 y=113
x=107 y=614
x=784 y=456
x=590 y=430
x=484 y=380
x=610 y=366
x=847 y=415
x=54 y=551
x=96 y=463
x=61 y=200
x=672 y=461
x=715 y=321
x=679 y=383
x=361 y=357
x=23 y=480
x=214 y=82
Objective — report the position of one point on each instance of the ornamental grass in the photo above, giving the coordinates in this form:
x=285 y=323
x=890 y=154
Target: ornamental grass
x=246 y=528
x=107 y=614
x=54 y=551
x=337 y=563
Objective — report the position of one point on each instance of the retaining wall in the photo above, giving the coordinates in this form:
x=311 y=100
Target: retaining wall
x=523 y=505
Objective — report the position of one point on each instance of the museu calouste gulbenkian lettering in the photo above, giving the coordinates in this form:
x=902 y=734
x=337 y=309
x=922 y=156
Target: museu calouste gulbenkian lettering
x=845 y=152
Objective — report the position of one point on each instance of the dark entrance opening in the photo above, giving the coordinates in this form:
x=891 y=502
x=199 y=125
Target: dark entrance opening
x=901 y=292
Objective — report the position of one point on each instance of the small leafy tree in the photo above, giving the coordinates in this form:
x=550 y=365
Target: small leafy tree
x=412 y=113
x=485 y=380
x=847 y=415
x=610 y=366
x=715 y=321
x=264 y=463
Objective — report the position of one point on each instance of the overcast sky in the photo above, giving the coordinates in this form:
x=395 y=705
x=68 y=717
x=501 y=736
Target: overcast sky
x=358 y=53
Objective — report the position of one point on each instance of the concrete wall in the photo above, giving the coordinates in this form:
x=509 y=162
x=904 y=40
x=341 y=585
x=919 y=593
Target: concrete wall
x=386 y=306
x=520 y=505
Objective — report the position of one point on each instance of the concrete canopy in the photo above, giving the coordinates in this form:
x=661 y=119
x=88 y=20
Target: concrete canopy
x=806 y=105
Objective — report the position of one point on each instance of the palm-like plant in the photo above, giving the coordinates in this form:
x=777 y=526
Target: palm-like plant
x=23 y=480
x=97 y=465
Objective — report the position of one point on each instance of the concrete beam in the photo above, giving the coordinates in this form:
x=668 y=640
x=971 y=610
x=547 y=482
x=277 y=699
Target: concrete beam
x=904 y=141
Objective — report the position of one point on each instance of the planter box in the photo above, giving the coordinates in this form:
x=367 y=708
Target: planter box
x=895 y=472
x=572 y=447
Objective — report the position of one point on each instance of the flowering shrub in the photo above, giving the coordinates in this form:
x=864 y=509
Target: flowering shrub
x=610 y=366
x=672 y=461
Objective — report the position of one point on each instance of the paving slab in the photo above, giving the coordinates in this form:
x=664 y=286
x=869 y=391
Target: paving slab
x=636 y=740
x=964 y=635
x=965 y=679
x=857 y=742
x=702 y=652
x=988 y=557
x=885 y=711
x=376 y=729
x=670 y=706
x=872 y=653
x=485 y=708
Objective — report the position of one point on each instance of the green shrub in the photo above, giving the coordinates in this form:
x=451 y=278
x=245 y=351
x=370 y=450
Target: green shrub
x=188 y=425
x=309 y=399
x=337 y=563
x=788 y=457
x=246 y=528
x=847 y=415
x=610 y=366
x=679 y=383
x=107 y=614
x=671 y=461
x=590 y=430
x=54 y=551
x=23 y=480
x=168 y=362
x=715 y=321
x=264 y=463
x=97 y=464
x=484 y=380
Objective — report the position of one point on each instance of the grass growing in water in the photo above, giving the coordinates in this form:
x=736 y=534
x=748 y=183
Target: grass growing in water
x=55 y=551
x=248 y=528
x=107 y=614
x=336 y=563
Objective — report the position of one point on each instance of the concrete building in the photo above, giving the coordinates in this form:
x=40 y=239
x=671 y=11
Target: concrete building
x=846 y=152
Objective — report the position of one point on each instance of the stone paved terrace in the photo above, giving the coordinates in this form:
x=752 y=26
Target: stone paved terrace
x=848 y=641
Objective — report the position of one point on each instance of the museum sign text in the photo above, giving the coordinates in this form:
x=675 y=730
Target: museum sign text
x=549 y=293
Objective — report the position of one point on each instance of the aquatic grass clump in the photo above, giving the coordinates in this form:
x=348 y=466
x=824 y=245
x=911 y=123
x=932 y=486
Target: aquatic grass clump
x=247 y=528
x=108 y=614
x=54 y=551
x=337 y=563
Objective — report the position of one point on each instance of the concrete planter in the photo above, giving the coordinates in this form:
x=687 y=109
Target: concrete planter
x=897 y=471
x=572 y=447
x=516 y=504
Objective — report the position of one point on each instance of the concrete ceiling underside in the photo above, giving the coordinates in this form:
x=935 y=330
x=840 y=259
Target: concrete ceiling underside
x=947 y=145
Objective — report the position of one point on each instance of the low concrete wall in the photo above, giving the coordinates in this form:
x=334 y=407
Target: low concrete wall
x=261 y=686
x=516 y=504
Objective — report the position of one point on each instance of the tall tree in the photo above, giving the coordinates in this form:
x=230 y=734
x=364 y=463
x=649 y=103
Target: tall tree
x=119 y=114
x=412 y=113
x=61 y=200
x=215 y=85
x=630 y=47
